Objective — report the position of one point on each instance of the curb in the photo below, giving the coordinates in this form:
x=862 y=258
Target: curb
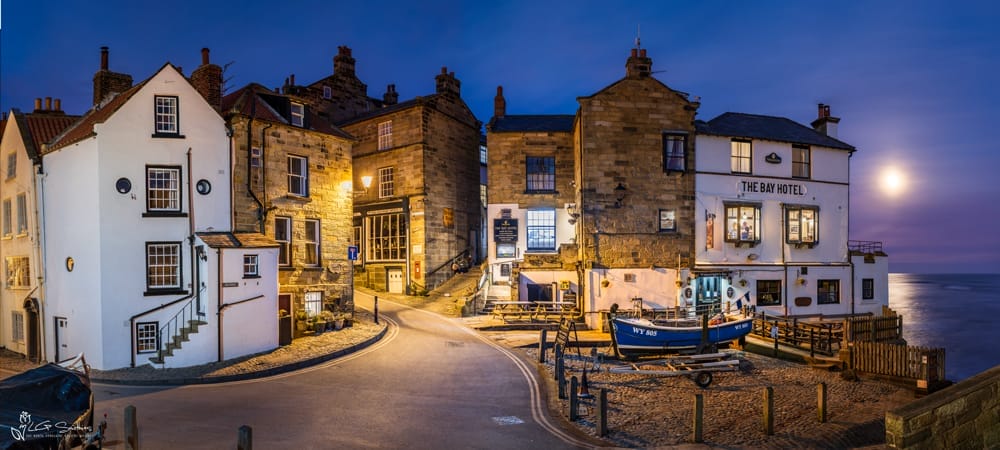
x=250 y=375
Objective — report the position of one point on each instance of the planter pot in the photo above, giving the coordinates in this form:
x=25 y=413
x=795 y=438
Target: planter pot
x=320 y=327
x=338 y=324
x=301 y=325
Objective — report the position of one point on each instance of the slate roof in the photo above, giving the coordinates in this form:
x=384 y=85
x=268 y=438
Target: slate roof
x=390 y=108
x=259 y=102
x=547 y=122
x=38 y=129
x=770 y=128
x=226 y=239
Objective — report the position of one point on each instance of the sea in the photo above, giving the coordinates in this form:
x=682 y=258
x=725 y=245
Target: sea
x=956 y=311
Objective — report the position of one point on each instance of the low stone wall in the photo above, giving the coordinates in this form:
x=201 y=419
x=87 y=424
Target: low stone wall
x=966 y=415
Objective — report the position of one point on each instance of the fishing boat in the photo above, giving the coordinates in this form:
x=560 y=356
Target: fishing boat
x=634 y=336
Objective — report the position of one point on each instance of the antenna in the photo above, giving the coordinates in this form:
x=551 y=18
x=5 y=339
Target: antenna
x=637 y=36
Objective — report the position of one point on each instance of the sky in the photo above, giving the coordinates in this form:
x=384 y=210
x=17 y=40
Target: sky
x=914 y=82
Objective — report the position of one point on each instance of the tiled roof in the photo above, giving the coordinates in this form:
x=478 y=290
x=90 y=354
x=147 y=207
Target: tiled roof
x=85 y=127
x=38 y=129
x=258 y=101
x=225 y=239
x=549 y=122
x=3 y=126
x=767 y=127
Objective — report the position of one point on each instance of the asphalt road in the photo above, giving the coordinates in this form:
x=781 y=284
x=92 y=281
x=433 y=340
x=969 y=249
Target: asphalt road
x=429 y=383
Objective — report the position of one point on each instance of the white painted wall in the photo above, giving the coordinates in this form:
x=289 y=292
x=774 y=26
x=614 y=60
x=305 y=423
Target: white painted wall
x=565 y=233
x=250 y=327
x=879 y=272
x=657 y=288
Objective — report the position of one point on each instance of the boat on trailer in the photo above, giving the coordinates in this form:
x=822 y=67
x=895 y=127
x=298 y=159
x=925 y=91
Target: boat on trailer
x=633 y=336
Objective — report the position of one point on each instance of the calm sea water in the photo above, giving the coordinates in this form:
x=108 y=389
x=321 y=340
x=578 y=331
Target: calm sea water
x=956 y=311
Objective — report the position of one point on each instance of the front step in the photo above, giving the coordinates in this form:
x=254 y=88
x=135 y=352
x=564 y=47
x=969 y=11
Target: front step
x=183 y=335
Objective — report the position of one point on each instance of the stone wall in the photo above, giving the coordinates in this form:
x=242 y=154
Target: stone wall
x=966 y=415
x=507 y=173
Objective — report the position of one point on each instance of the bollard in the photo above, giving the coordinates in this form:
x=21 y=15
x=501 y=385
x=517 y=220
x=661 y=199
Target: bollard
x=560 y=378
x=558 y=355
x=573 y=399
x=542 y=335
x=774 y=335
x=769 y=411
x=812 y=344
x=131 y=429
x=244 y=439
x=699 y=409
x=376 y=310
x=602 y=413
x=821 y=401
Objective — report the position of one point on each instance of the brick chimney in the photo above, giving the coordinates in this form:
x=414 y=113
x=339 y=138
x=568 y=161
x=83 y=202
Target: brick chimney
x=638 y=64
x=446 y=82
x=825 y=123
x=499 y=104
x=343 y=63
x=107 y=82
x=391 y=97
x=207 y=80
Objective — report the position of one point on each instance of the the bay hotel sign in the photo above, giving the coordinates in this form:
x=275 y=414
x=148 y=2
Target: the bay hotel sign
x=751 y=186
x=505 y=236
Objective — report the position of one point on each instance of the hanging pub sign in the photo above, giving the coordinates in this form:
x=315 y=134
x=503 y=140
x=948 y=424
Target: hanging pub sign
x=505 y=231
x=709 y=230
x=449 y=218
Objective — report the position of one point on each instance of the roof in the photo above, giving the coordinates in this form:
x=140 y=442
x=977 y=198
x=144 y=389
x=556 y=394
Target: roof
x=3 y=126
x=261 y=103
x=386 y=109
x=548 y=122
x=767 y=127
x=40 y=128
x=226 y=239
x=99 y=114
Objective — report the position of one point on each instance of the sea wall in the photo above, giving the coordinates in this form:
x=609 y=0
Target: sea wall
x=966 y=415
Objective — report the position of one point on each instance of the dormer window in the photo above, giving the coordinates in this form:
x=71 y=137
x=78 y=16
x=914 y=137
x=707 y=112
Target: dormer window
x=166 y=116
x=298 y=114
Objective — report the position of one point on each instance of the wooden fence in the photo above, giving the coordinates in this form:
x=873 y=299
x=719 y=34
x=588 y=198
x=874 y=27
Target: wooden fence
x=873 y=329
x=923 y=364
x=817 y=337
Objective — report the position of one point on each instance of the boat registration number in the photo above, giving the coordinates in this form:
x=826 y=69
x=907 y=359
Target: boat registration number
x=643 y=331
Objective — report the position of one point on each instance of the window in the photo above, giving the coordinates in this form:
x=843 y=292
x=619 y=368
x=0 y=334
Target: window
x=7 y=229
x=17 y=326
x=358 y=240
x=163 y=265
x=828 y=291
x=147 y=339
x=163 y=191
x=11 y=165
x=314 y=303
x=801 y=162
x=768 y=292
x=22 y=214
x=541 y=230
x=255 y=157
x=386 y=238
x=801 y=225
x=166 y=115
x=386 y=185
x=482 y=195
x=741 y=156
x=743 y=223
x=298 y=176
x=867 y=288
x=482 y=154
x=385 y=135
x=673 y=152
x=283 y=234
x=251 y=269
x=668 y=220
x=312 y=242
x=18 y=271
x=541 y=172
x=327 y=92
x=298 y=113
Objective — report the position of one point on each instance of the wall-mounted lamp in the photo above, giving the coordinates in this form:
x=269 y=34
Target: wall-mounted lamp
x=620 y=192
x=366 y=182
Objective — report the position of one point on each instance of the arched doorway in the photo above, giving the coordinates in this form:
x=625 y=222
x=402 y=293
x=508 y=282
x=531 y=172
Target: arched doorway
x=32 y=329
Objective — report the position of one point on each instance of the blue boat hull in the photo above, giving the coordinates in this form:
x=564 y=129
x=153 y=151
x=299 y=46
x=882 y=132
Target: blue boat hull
x=643 y=336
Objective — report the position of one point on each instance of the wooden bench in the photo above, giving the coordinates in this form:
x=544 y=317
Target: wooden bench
x=517 y=309
x=545 y=309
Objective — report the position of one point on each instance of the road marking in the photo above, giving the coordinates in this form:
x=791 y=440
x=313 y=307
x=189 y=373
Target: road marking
x=508 y=420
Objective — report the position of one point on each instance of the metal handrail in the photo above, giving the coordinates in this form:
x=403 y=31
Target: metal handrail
x=865 y=246
x=172 y=328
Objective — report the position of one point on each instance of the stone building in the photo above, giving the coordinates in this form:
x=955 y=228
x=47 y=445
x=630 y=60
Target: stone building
x=416 y=176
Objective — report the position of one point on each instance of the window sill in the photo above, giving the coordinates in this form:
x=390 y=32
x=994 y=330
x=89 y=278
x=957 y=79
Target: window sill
x=542 y=252
x=250 y=277
x=298 y=198
x=541 y=192
x=749 y=244
x=164 y=214
x=286 y=268
x=312 y=269
x=168 y=135
x=155 y=292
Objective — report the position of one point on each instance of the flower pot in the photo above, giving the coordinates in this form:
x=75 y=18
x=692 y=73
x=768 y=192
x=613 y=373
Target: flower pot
x=338 y=324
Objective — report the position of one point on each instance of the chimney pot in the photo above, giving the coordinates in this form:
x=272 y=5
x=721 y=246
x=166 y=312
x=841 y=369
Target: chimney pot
x=820 y=107
x=642 y=53
x=38 y=104
x=499 y=103
x=104 y=58
x=204 y=56
x=58 y=106
x=444 y=70
x=48 y=103
x=635 y=53
x=292 y=78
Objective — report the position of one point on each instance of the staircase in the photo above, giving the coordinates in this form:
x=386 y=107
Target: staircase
x=495 y=293
x=177 y=331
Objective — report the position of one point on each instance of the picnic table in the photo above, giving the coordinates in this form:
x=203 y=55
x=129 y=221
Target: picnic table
x=518 y=309
x=544 y=309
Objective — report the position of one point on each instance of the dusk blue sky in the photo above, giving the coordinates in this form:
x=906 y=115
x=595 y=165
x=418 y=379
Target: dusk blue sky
x=914 y=82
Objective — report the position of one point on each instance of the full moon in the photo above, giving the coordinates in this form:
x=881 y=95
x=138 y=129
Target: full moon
x=893 y=181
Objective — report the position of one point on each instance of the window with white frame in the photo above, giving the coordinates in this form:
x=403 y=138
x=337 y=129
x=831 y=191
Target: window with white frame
x=7 y=225
x=298 y=176
x=867 y=288
x=801 y=225
x=327 y=92
x=22 y=214
x=251 y=268
x=741 y=156
x=541 y=173
x=386 y=182
x=827 y=291
x=482 y=154
x=385 y=135
x=18 y=271
x=312 y=239
x=298 y=113
x=674 y=157
x=163 y=265
x=147 y=337
x=163 y=189
x=313 y=303
x=387 y=238
x=801 y=162
x=11 y=165
x=166 y=115
x=541 y=230
x=283 y=234
x=17 y=326
x=743 y=223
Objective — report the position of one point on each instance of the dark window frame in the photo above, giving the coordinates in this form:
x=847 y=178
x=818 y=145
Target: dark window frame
x=300 y=180
x=160 y=289
x=140 y=338
x=670 y=156
x=286 y=244
x=251 y=265
x=797 y=210
x=769 y=289
x=165 y=212
x=826 y=290
x=867 y=288
x=753 y=235
x=540 y=174
x=801 y=164
x=157 y=132
x=660 y=221
x=734 y=158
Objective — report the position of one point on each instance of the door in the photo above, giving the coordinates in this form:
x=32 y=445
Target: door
x=709 y=294
x=62 y=339
x=33 y=329
x=395 y=283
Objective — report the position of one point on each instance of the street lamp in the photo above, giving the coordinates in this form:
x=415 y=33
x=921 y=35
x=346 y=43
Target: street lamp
x=366 y=182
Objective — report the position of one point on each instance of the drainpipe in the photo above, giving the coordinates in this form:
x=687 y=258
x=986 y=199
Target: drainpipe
x=263 y=174
x=218 y=310
x=195 y=272
x=39 y=250
x=260 y=206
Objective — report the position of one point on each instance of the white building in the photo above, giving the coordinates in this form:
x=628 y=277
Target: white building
x=132 y=195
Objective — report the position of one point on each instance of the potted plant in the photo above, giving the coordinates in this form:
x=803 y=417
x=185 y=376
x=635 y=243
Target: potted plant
x=318 y=324
x=302 y=321
x=328 y=319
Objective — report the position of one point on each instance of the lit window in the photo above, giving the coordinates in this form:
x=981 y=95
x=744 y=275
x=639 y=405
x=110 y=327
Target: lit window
x=7 y=224
x=482 y=195
x=22 y=214
x=673 y=152
x=801 y=222
x=828 y=291
x=163 y=265
x=314 y=303
x=541 y=172
x=11 y=165
x=312 y=242
x=18 y=271
x=251 y=269
x=359 y=241
x=163 y=189
x=668 y=220
x=385 y=135
x=482 y=154
x=743 y=223
x=298 y=176
x=867 y=288
x=768 y=292
x=283 y=234
x=327 y=92
x=801 y=162
x=298 y=112
x=541 y=230
x=386 y=183
x=166 y=115
x=387 y=238
x=255 y=157
x=147 y=338
x=741 y=156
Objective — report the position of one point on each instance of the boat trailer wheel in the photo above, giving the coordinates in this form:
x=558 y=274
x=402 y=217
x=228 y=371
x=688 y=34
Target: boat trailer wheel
x=702 y=379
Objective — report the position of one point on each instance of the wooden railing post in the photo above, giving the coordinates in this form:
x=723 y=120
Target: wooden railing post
x=602 y=413
x=699 y=407
x=573 y=399
x=769 y=411
x=542 y=337
x=821 y=402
